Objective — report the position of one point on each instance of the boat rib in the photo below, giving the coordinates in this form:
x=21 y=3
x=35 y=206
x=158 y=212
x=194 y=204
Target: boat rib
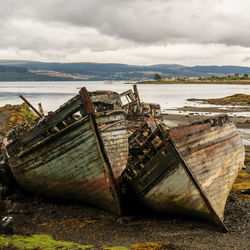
x=188 y=170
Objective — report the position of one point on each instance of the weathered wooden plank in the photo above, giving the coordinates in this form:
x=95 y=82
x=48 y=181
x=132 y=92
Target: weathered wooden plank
x=77 y=161
x=207 y=158
x=50 y=179
x=177 y=193
x=184 y=132
x=79 y=133
x=181 y=139
x=216 y=154
x=113 y=131
x=223 y=168
x=209 y=143
x=30 y=137
x=202 y=137
x=106 y=97
x=153 y=170
x=52 y=137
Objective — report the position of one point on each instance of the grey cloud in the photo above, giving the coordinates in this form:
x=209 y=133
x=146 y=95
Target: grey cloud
x=57 y=40
x=146 y=21
x=246 y=59
x=63 y=27
x=156 y=21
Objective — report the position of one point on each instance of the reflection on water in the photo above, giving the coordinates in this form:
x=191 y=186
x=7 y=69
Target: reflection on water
x=173 y=111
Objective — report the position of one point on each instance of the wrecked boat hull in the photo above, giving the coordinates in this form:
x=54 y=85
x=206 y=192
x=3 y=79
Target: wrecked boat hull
x=74 y=163
x=188 y=170
x=214 y=153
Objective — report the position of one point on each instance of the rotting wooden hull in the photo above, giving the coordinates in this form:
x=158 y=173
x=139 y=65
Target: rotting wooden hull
x=188 y=170
x=75 y=162
x=113 y=130
x=219 y=152
x=115 y=138
x=138 y=112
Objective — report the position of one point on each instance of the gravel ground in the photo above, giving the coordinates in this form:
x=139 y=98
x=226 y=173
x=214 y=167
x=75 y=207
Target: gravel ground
x=87 y=225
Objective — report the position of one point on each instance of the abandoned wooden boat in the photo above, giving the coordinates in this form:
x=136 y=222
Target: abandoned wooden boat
x=137 y=111
x=76 y=153
x=188 y=170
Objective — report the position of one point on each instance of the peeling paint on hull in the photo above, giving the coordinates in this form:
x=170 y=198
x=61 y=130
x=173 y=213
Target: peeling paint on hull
x=188 y=170
x=76 y=161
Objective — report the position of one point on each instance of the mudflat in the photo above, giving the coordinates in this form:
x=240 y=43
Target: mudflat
x=138 y=229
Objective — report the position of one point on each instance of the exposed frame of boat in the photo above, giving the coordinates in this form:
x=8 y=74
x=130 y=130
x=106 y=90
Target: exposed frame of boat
x=137 y=111
x=76 y=153
x=189 y=169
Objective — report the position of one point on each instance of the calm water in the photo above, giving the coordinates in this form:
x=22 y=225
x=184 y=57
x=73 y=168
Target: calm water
x=53 y=94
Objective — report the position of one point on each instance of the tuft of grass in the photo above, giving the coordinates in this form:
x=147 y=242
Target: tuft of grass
x=27 y=113
x=17 y=114
x=156 y=246
x=247 y=157
x=38 y=241
x=115 y=248
x=242 y=182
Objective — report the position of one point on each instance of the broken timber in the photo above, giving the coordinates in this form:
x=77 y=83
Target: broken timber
x=138 y=112
x=68 y=154
x=188 y=170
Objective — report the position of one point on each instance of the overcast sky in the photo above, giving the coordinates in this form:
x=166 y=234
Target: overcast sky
x=188 y=32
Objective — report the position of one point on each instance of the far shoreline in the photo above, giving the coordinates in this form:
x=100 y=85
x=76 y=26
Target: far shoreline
x=134 y=82
x=193 y=82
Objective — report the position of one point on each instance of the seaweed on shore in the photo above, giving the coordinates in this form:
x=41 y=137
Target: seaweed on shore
x=237 y=99
x=12 y=115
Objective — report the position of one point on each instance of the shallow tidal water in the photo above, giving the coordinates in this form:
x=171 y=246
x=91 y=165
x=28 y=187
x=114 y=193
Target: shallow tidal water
x=54 y=94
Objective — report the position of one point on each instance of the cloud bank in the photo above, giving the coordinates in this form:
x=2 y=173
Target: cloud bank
x=133 y=31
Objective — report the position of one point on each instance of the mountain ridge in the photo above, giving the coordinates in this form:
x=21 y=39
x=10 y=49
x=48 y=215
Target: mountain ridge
x=23 y=70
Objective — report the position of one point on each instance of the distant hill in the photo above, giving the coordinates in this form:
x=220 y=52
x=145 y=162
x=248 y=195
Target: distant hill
x=13 y=69
x=18 y=70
